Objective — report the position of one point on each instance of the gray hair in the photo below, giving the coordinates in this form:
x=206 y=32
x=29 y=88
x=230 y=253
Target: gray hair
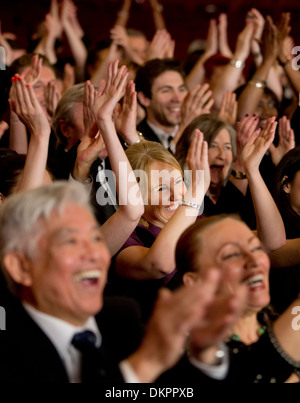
x=22 y=215
x=64 y=110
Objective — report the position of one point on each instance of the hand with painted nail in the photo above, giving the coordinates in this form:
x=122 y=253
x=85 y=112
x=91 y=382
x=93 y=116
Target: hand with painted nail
x=25 y=104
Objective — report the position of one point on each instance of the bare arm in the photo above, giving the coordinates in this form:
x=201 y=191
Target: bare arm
x=273 y=79
x=197 y=74
x=141 y=263
x=123 y=14
x=29 y=111
x=119 y=227
x=77 y=47
x=253 y=92
x=158 y=18
x=270 y=227
x=287 y=255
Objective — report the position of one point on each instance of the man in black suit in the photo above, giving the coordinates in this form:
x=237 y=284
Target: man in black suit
x=161 y=91
x=56 y=261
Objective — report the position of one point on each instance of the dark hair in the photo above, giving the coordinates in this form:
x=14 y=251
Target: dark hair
x=285 y=173
x=189 y=244
x=146 y=74
x=20 y=63
x=11 y=165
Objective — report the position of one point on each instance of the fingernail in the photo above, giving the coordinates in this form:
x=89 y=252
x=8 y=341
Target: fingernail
x=20 y=78
x=13 y=79
x=28 y=85
x=17 y=75
x=247 y=115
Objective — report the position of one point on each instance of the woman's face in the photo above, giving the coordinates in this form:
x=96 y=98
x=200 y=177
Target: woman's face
x=165 y=190
x=220 y=157
x=293 y=191
x=231 y=246
x=265 y=109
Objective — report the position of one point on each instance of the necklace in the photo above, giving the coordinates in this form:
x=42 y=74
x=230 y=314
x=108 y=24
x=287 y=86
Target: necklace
x=260 y=332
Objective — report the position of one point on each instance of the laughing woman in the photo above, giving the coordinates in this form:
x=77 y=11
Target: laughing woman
x=228 y=191
x=147 y=260
x=264 y=349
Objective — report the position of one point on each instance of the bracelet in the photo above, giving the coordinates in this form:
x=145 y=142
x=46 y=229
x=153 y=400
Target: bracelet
x=237 y=63
x=256 y=82
x=238 y=174
x=190 y=204
x=140 y=138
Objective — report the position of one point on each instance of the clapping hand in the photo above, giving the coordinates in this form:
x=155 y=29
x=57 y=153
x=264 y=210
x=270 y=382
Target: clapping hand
x=197 y=162
x=258 y=145
x=25 y=104
x=286 y=140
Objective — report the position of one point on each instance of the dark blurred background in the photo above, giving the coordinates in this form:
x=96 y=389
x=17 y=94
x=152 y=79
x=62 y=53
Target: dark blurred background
x=186 y=19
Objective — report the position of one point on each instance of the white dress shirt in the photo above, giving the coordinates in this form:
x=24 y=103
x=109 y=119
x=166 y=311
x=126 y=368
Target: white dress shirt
x=162 y=135
x=61 y=333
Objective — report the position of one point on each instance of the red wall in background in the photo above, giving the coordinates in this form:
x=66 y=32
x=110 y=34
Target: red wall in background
x=186 y=19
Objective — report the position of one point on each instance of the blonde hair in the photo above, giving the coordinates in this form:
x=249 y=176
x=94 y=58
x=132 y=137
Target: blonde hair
x=142 y=155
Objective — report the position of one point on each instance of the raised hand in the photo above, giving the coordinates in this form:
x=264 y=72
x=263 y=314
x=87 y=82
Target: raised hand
x=258 y=145
x=174 y=316
x=223 y=40
x=88 y=102
x=244 y=129
x=270 y=40
x=228 y=111
x=107 y=99
x=212 y=39
x=31 y=73
x=125 y=115
x=226 y=308
x=198 y=102
x=286 y=140
x=197 y=162
x=52 y=97
x=25 y=104
x=161 y=46
x=243 y=42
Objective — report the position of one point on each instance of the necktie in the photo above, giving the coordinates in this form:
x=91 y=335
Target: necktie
x=91 y=370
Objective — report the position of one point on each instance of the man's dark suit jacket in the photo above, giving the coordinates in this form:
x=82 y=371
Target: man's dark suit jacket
x=27 y=355
x=147 y=132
